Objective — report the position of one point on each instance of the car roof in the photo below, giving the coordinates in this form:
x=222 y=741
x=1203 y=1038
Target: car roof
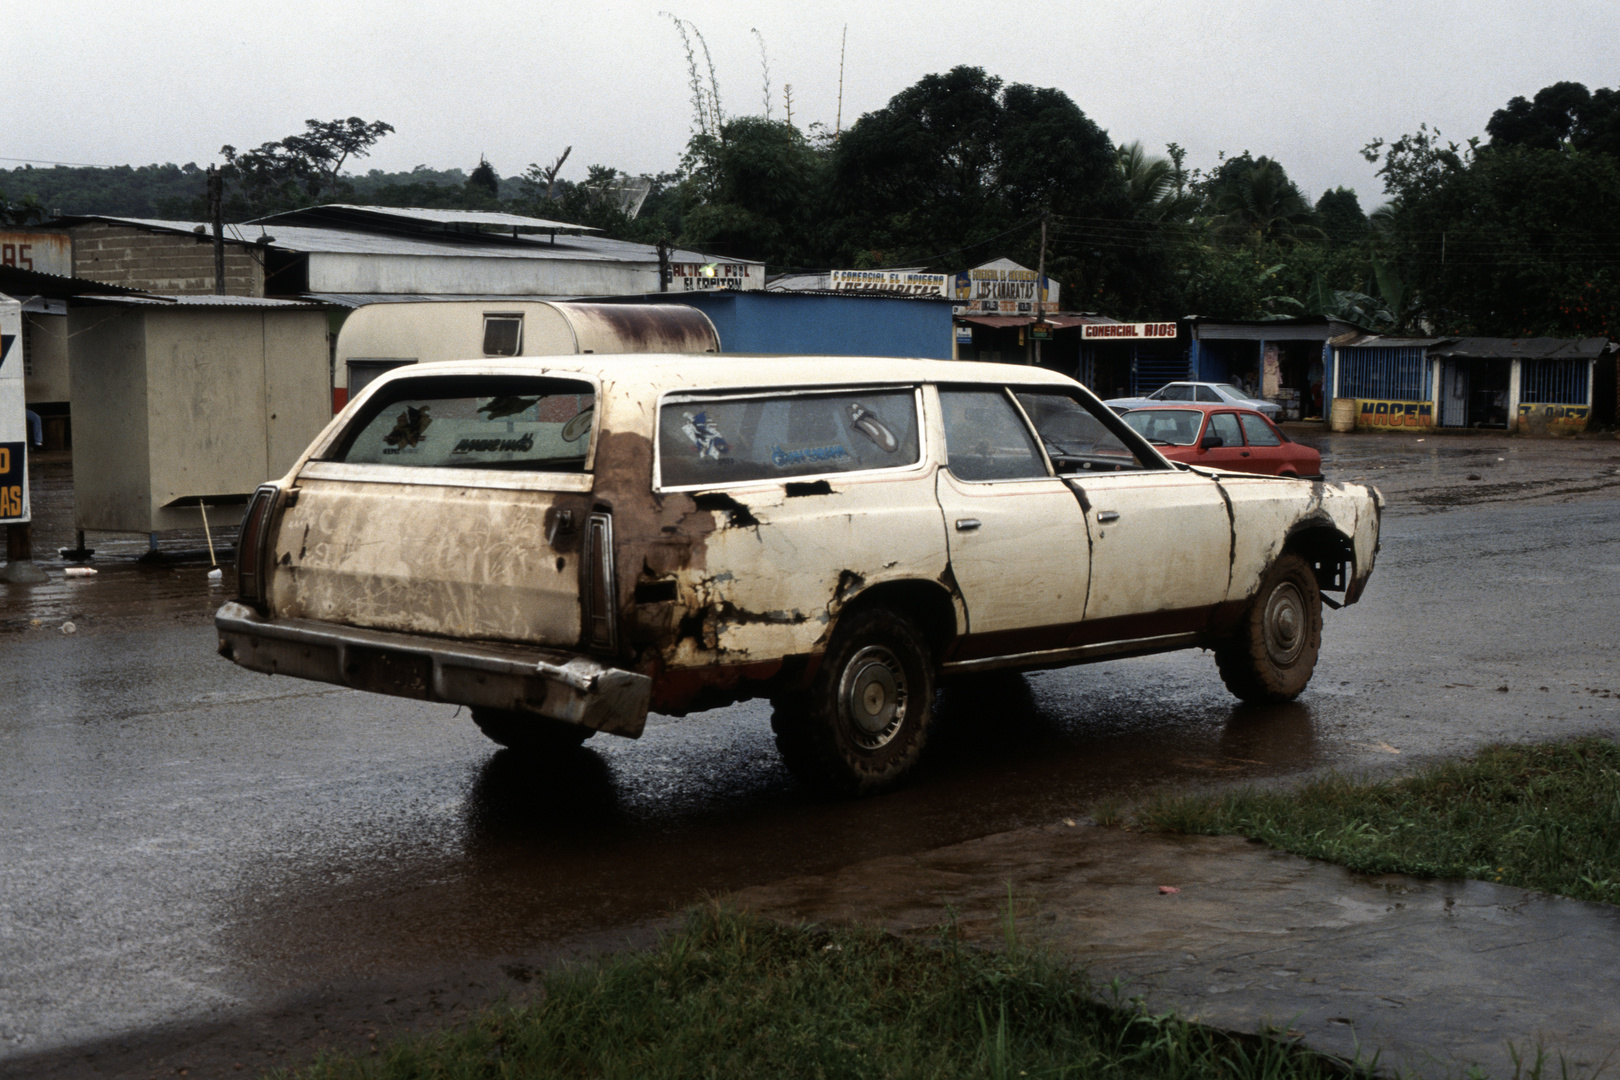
x=1198 y=406
x=696 y=371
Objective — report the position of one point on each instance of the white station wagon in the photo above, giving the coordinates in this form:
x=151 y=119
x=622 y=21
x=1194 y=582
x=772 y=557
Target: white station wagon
x=564 y=544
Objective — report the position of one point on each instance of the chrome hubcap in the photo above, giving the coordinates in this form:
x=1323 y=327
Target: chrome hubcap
x=873 y=693
x=1285 y=623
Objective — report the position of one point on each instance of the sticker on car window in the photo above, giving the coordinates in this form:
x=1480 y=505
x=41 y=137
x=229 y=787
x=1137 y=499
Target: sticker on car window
x=705 y=436
x=866 y=422
x=578 y=426
x=507 y=405
x=409 y=428
x=786 y=459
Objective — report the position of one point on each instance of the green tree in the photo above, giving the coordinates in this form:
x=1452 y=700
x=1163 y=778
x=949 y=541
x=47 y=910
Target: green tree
x=1253 y=200
x=300 y=170
x=1339 y=216
x=1505 y=240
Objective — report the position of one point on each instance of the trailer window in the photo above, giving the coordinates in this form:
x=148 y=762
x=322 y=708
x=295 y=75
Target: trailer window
x=503 y=335
x=473 y=422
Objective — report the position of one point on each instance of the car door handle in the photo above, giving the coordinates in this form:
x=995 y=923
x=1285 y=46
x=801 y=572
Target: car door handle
x=1105 y=516
x=967 y=524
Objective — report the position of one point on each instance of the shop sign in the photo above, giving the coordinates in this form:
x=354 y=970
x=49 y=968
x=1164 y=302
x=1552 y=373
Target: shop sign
x=1395 y=414
x=1002 y=290
x=1553 y=419
x=1040 y=331
x=702 y=277
x=964 y=335
x=13 y=421
x=889 y=281
x=48 y=253
x=1128 y=331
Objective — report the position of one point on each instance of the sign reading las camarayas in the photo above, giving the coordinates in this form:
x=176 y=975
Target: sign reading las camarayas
x=1002 y=288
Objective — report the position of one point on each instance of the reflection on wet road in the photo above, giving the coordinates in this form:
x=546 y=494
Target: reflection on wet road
x=185 y=838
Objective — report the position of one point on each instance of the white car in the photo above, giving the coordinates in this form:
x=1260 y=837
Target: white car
x=565 y=543
x=1203 y=392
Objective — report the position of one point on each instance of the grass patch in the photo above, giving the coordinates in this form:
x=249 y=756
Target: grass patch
x=735 y=996
x=1543 y=817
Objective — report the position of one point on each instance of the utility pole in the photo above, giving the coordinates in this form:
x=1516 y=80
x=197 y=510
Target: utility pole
x=1040 y=292
x=663 y=264
x=216 y=196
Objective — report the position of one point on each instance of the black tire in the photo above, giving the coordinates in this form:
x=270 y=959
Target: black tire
x=1271 y=654
x=528 y=733
x=861 y=725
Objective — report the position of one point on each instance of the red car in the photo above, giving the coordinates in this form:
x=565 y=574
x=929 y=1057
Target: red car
x=1224 y=437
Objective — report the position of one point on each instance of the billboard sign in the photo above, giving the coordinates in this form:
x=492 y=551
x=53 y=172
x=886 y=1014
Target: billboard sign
x=1002 y=288
x=704 y=277
x=890 y=281
x=13 y=421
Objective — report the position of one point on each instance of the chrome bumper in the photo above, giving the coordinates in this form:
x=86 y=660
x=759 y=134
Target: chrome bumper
x=560 y=685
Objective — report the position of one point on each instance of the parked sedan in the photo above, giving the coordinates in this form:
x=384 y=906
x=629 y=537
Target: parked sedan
x=1203 y=393
x=1222 y=437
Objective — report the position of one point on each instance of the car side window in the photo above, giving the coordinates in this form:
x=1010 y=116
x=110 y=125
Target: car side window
x=986 y=439
x=1259 y=432
x=708 y=440
x=1175 y=393
x=1225 y=425
x=1207 y=394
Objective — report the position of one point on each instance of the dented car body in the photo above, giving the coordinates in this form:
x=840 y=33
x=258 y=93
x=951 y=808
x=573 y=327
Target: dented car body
x=565 y=544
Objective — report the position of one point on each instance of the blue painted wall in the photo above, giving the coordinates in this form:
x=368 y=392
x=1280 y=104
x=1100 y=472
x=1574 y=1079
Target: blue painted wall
x=761 y=322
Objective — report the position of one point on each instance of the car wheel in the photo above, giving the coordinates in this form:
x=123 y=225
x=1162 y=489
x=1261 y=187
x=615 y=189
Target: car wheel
x=1271 y=654
x=528 y=733
x=861 y=725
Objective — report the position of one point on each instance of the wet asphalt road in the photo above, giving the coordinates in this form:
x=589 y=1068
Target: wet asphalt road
x=210 y=867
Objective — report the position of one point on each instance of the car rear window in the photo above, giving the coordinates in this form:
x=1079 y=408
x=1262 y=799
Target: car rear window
x=726 y=440
x=473 y=422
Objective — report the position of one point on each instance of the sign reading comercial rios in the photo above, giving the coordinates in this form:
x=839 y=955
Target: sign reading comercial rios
x=1128 y=331
x=1002 y=288
x=699 y=277
x=889 y=281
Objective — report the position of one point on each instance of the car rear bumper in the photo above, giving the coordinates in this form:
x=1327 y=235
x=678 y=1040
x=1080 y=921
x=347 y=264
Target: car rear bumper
x=563 y=686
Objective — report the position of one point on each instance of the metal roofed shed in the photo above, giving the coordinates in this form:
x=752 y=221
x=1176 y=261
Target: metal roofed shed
x=178 y=400
x=1529 y=385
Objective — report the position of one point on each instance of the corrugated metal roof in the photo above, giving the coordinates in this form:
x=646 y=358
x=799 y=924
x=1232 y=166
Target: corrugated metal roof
x=339 y=212
x=1059 y=322
x=20 y=283
x=337 y=241
x=1360 y=340
x=200 y=301
x=1536 y=348
x=354 y=300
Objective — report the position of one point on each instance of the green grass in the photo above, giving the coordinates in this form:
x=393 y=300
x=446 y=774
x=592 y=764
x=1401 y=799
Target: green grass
x=1543 y=817
x=736 y=996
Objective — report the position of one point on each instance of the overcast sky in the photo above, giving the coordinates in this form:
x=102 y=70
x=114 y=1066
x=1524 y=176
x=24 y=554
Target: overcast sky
x=105 y=83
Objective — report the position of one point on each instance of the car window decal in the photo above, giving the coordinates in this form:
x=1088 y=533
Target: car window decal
x=705 y=437
x=866 y=422
x=409 y=428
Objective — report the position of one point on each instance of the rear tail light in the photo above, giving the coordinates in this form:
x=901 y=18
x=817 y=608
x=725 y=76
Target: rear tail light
x=251 y=545
x=601 y=619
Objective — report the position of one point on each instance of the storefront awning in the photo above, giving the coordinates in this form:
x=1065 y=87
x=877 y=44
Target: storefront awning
x=1057 y=322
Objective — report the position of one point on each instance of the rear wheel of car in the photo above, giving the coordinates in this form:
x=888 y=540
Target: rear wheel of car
x=529 y=734
x=861 y=725
x=1272 y=652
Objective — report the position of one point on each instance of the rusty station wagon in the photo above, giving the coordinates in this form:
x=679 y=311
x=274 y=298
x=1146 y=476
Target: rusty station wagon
x=564 y=544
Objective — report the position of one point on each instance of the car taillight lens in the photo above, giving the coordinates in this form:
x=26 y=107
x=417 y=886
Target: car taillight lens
x=250 y=545
x=601 y=619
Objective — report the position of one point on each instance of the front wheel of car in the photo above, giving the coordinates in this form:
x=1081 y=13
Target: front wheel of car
x=861 y=725
x=528 y=733
x=1272 y=652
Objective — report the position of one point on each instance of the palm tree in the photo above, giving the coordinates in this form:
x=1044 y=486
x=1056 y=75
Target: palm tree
x=1259 y=202
x=1156 y=187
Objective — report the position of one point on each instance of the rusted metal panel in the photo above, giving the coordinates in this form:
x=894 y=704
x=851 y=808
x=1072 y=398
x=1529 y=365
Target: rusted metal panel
x=41 y=252
x=640 y=328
